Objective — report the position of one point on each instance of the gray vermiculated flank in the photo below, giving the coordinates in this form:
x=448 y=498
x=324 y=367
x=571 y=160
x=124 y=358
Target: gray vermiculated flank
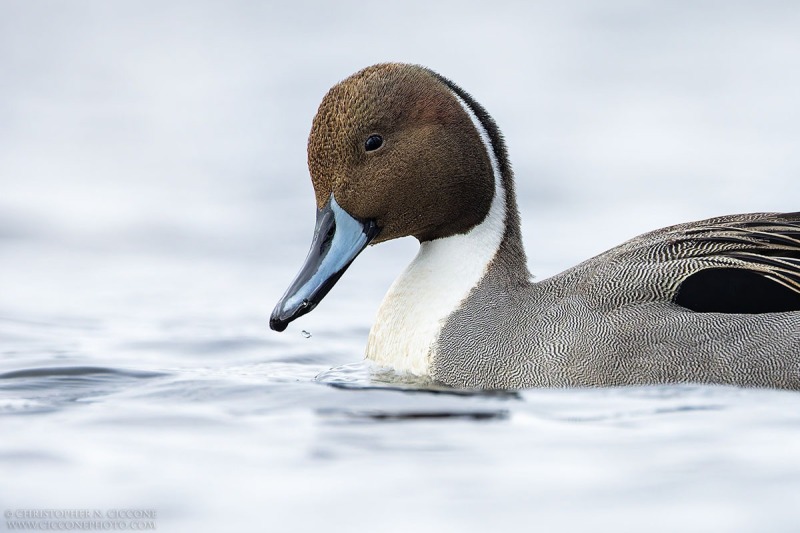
x=611 y=320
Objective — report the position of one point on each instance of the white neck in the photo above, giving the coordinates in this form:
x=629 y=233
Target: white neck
x=437 y=281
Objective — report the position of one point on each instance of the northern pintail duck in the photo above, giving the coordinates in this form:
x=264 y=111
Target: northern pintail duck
x=397 y=150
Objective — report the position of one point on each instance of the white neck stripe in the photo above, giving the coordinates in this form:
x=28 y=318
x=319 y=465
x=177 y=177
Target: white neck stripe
x=486 y=140
x=436 y=283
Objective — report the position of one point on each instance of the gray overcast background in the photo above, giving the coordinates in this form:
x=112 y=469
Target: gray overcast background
x=175 y=126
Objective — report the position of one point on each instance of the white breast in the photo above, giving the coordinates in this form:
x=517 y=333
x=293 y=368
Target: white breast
x=435 y=284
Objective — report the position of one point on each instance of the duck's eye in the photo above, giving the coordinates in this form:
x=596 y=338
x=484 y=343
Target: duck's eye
x=373 y=142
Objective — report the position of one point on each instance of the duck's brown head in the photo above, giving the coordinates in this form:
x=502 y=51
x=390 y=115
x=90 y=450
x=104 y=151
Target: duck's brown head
x=394 y=151
x=393 y=144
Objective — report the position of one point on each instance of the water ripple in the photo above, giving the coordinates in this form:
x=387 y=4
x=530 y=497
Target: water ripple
x=77 y=371
x=45 y=389
x=405 y=416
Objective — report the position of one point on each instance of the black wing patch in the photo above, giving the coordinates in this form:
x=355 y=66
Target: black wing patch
x=735 y=290
x=757 y=268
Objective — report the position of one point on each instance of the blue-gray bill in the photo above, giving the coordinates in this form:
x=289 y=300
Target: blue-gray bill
x=338 y=239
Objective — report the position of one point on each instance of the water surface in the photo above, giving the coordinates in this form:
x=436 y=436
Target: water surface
x=155 y=205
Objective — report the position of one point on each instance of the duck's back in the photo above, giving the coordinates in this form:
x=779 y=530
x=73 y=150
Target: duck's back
x=689 y=303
